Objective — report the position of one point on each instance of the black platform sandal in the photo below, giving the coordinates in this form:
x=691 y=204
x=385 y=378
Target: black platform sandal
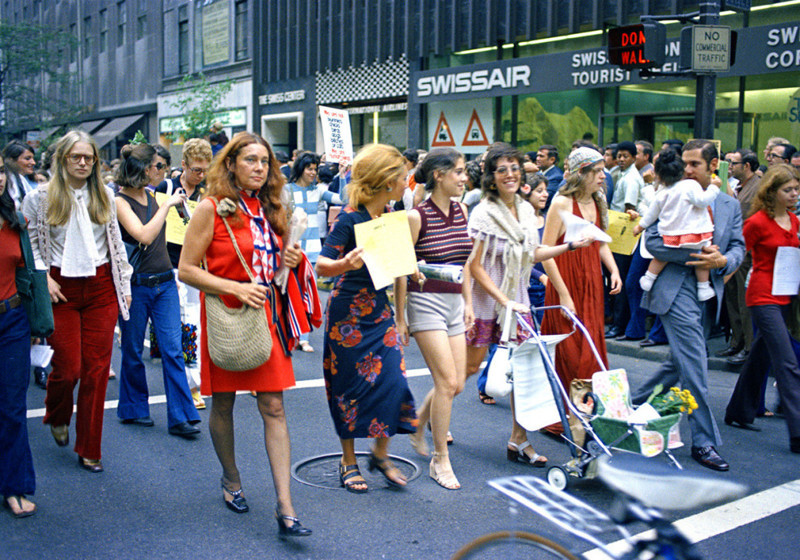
x=238 y=504
x=346 y=474
x=293 y=530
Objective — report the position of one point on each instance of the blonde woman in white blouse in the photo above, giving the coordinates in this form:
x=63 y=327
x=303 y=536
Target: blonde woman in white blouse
x=76 y=238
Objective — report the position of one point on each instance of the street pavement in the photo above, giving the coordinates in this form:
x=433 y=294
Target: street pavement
x=159 y=496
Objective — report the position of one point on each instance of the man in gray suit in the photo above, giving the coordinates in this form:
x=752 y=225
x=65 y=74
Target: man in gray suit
x=686 y=320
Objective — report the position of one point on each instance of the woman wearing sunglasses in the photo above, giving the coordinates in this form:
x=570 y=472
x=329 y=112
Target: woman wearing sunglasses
x=155 y=298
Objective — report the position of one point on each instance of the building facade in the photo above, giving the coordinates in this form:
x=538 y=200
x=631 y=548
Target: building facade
x=415 y=73
x=131 y=55
x=465 y=73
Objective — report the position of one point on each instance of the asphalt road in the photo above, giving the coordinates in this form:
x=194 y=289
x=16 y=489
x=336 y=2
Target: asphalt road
x=159 y=496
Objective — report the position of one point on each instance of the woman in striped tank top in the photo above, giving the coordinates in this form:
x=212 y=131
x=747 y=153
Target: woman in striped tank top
x=439 y=312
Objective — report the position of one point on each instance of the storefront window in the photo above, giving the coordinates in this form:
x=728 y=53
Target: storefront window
x=391 y=129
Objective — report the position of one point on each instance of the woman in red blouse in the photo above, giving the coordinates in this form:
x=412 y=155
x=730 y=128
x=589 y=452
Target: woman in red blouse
x=771 y=225
x=17 y=477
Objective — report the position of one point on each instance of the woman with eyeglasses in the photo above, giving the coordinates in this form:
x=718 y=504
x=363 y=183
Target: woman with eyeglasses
x=195 y=161
x=506 y=245
x=76 y=238
x=155 y=298
x=157 y=171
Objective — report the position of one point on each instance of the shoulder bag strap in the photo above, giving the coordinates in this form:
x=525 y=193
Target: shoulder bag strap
x=25 y=242
x=170 y=187
x=235 y=245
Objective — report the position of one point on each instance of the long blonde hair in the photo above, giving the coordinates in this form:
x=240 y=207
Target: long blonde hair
x=575 y=187
x=374 y=168
x=59 y=199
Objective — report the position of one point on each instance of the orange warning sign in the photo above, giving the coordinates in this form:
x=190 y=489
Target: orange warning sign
x=475 y=135
x=443 y=135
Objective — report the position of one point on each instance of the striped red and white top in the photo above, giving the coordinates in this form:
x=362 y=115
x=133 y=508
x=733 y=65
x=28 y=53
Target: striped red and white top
x=442 y=240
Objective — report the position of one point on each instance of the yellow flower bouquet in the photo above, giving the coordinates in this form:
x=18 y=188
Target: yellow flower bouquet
x=672 y=401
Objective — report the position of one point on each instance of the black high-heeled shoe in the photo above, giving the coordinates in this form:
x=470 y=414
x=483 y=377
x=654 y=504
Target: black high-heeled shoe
x=238 y=503
x=293 y=530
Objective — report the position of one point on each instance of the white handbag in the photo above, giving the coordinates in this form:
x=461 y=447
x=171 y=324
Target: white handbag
x=498 y=372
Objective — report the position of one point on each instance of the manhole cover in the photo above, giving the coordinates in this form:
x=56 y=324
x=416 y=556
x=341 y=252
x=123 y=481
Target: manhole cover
x=322 y=471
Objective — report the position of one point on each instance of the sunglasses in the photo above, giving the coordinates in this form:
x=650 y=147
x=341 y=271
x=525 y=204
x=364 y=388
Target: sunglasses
x=159 y=165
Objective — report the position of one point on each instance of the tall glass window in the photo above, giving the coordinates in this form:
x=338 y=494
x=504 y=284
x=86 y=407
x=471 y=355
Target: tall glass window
x=122 y=21
x=183 y=39
x=241 y=30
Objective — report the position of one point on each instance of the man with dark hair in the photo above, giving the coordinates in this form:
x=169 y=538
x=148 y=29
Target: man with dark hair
x=546 y=160
x=673 y=144
x=687 y=320
x=626 y=198
x=780 y=153
x=796 y=160
x=644 y=157
x=743 y=166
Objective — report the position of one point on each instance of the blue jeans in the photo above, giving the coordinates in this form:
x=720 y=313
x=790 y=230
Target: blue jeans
x=161 y=305
x=16 y=463
x=636 y=326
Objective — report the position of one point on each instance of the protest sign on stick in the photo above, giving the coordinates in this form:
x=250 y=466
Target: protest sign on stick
x=336 y=135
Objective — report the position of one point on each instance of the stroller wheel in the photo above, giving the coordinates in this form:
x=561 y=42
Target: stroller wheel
x=558 y=477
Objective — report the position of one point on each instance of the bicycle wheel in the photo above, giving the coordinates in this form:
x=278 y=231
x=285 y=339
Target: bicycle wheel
x=513 y=544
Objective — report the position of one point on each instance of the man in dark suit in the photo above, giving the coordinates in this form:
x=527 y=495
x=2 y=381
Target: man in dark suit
x=546 y=160
x=686 y=320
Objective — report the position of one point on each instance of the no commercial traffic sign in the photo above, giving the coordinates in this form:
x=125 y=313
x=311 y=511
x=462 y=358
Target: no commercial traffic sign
x=711 y=48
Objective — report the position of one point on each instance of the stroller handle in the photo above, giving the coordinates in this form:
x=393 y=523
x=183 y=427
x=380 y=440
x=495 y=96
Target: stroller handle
x=576 y=325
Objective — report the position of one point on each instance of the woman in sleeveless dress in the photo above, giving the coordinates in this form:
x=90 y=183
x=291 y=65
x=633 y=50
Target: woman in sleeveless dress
x=244 y=188
x=576 y=278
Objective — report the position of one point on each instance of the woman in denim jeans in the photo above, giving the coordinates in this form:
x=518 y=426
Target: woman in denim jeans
x=155 y=297
x=17 y=477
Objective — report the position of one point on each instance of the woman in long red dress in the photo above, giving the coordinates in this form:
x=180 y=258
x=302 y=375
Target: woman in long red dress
x=576 y=277
x=244 y=186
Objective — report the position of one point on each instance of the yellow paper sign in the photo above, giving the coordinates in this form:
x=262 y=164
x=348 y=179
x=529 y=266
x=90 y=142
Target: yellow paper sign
x=388 y=249
x=620 y=228
x=176 y=228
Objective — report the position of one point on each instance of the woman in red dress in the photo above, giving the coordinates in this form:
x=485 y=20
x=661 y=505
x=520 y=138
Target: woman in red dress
x=576 y=277
x=244 y=186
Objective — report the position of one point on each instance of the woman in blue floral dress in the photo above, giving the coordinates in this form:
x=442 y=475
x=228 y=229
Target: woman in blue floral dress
x=364 y=369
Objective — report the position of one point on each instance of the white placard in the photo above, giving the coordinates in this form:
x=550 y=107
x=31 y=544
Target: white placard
x=336 y=135
x=786 y=276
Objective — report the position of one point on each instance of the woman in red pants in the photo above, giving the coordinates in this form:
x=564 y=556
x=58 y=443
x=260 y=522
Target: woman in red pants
x=75 y=236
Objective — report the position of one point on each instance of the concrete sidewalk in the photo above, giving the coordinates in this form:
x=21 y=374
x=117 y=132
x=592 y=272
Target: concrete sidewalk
x=659 y=353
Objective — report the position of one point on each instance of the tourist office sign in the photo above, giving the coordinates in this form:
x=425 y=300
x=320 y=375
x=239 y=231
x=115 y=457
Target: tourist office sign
x=771 y=48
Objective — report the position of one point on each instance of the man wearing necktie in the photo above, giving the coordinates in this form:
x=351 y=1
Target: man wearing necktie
x=688 y=321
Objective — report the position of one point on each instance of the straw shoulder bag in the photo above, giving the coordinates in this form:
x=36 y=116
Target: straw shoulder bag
x=238 y=338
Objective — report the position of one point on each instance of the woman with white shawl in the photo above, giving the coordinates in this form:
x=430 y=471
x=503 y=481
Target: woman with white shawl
x=75 y=236
x=506 y=245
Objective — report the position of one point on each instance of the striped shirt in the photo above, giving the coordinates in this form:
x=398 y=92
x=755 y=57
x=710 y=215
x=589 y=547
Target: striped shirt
x=442 y=240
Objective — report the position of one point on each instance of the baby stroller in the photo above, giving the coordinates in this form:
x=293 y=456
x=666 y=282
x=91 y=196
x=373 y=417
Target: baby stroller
x=604 y=414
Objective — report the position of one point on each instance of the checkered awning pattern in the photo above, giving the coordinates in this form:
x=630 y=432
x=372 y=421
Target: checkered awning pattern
x=363 y=83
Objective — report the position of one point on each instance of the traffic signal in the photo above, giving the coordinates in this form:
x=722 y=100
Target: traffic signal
x=638 y=46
